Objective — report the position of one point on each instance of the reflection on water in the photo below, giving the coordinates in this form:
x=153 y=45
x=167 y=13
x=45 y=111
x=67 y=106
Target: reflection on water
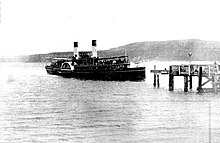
x=37 y=107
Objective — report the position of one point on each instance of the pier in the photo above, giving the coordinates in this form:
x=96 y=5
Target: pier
x=211 y=72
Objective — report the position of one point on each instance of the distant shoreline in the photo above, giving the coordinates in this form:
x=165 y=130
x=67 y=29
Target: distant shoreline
x=172 y=50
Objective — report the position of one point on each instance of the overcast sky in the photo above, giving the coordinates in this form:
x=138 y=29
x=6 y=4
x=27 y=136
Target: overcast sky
x=43 y=26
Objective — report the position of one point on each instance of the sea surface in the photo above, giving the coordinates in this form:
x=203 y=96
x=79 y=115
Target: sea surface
x=37 y=107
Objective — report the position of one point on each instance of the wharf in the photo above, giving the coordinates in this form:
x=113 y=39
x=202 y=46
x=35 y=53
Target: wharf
x=209 y=71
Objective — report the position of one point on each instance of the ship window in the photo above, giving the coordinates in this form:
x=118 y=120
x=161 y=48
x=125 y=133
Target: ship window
x=66 y=66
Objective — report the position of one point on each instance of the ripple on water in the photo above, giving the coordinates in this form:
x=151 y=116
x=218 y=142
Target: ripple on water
x=37 y=107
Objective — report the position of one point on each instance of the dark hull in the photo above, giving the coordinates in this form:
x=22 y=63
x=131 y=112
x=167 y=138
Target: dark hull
x=131 y=74
x=52 y=71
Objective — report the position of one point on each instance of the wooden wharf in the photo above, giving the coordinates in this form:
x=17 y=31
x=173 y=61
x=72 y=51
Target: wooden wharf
x=209 y=71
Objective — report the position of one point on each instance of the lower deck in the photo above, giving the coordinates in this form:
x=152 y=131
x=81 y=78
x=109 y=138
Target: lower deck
x=132 y=74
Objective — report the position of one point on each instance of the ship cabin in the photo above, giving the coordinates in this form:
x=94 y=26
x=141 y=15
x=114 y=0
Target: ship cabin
x=85 y=61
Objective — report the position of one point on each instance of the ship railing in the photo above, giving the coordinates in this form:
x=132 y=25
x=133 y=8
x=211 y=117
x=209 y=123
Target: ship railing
x=114 y=60
x=102 y=67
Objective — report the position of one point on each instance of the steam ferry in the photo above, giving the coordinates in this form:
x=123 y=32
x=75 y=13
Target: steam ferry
x=86 y=65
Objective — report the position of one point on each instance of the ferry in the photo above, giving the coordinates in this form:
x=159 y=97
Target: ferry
x=86 y=65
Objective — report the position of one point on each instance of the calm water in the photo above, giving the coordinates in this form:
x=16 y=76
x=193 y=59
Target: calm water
x=37 y=107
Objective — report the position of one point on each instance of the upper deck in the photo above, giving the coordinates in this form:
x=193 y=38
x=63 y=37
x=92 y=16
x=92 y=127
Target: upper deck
x=86 y=62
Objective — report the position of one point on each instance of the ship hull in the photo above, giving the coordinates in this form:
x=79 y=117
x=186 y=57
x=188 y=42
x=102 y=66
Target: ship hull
x=52 y=70
x=130 y=74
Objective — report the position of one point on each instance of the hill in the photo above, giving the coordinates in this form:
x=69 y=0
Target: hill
x=169 y=50
x=151 y=50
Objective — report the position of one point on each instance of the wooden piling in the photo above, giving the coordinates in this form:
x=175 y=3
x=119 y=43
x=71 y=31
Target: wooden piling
x=158 y=81
x=190 y=82
x=200 y=80
x=186 y=83
x=215 y=82
x=171 y=79
x=155 y=76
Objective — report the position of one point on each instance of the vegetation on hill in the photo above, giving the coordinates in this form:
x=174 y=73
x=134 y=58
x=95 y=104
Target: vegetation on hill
x=169 y=50
x=150 y=50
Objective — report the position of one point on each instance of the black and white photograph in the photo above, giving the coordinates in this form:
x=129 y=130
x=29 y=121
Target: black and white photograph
x=109 y=71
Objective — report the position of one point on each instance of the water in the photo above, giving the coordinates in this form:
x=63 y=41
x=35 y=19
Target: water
x=37 y=107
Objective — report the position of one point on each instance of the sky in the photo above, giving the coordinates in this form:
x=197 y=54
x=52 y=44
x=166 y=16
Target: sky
x=44 y=26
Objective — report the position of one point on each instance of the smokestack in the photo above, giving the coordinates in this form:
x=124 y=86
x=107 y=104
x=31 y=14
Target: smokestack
x=94 y=50
x=76 y=49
